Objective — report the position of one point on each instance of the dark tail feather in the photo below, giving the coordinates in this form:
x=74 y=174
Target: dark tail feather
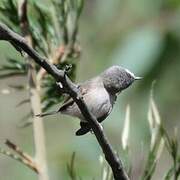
x=85 y=128
x=47 y=114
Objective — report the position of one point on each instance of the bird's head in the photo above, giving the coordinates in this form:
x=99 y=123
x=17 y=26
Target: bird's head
x=116 y=79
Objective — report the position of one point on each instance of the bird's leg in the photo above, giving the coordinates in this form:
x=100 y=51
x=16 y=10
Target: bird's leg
x=91 y=131
x=101 y=126
x=60 y=87
x=59 y=84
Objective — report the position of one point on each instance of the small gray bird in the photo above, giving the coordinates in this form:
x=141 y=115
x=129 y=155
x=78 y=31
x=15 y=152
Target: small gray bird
x=99 y=94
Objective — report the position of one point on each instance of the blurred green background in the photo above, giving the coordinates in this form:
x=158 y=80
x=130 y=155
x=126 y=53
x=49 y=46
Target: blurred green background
x=141 y=35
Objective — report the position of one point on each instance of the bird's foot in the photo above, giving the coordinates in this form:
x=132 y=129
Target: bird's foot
x=91 y=131
x=101 y=127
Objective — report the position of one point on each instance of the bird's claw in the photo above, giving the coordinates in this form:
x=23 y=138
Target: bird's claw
x=101 y=127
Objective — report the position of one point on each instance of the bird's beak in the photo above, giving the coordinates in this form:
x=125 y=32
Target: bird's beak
x=138 y=78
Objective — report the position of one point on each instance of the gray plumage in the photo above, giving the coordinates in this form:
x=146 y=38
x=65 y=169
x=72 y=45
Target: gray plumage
x=99 y=94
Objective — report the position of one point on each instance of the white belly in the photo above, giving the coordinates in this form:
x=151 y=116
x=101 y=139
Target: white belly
x=98 y=102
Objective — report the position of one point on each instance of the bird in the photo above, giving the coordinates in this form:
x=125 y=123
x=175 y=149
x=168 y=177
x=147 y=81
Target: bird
x=100 y=94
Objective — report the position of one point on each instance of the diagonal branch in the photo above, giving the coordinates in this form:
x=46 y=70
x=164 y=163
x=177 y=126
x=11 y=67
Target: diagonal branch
x=70 y=88
x=23 y=157
x=18 y=150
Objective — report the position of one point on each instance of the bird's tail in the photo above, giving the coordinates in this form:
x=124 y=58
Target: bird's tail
x=47 y=114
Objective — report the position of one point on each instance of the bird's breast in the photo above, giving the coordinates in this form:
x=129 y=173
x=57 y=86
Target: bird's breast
x=98 y=102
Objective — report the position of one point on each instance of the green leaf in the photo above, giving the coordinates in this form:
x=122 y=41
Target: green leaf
x=13 y=67
x=9 y=14
x=80 y=5
x=18 y=87
x=42 y=28
x=25 y=101
x=169 y=174
x=14 y=64
x=71 y=167
x=62 y=13
x=6 y=75
x=52 y=95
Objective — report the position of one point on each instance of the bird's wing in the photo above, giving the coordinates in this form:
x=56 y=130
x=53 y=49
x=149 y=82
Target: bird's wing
x=66 y=104
x=85 y=88
x=69 y=101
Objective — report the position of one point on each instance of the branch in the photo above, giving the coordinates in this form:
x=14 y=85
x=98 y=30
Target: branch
x=18 y=150
x=70 y=88
x=23 y=157
x=38 y=128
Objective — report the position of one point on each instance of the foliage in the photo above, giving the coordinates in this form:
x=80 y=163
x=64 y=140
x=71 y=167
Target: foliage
x=47 y=31
x=9 y=14
x=13 y=67
x=50 y=88
x=71 y=168
x=106 y=173
x=146 y=49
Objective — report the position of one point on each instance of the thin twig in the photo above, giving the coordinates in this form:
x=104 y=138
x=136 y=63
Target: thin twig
x=70 y=88
x=27 y=162
x=18 y=150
